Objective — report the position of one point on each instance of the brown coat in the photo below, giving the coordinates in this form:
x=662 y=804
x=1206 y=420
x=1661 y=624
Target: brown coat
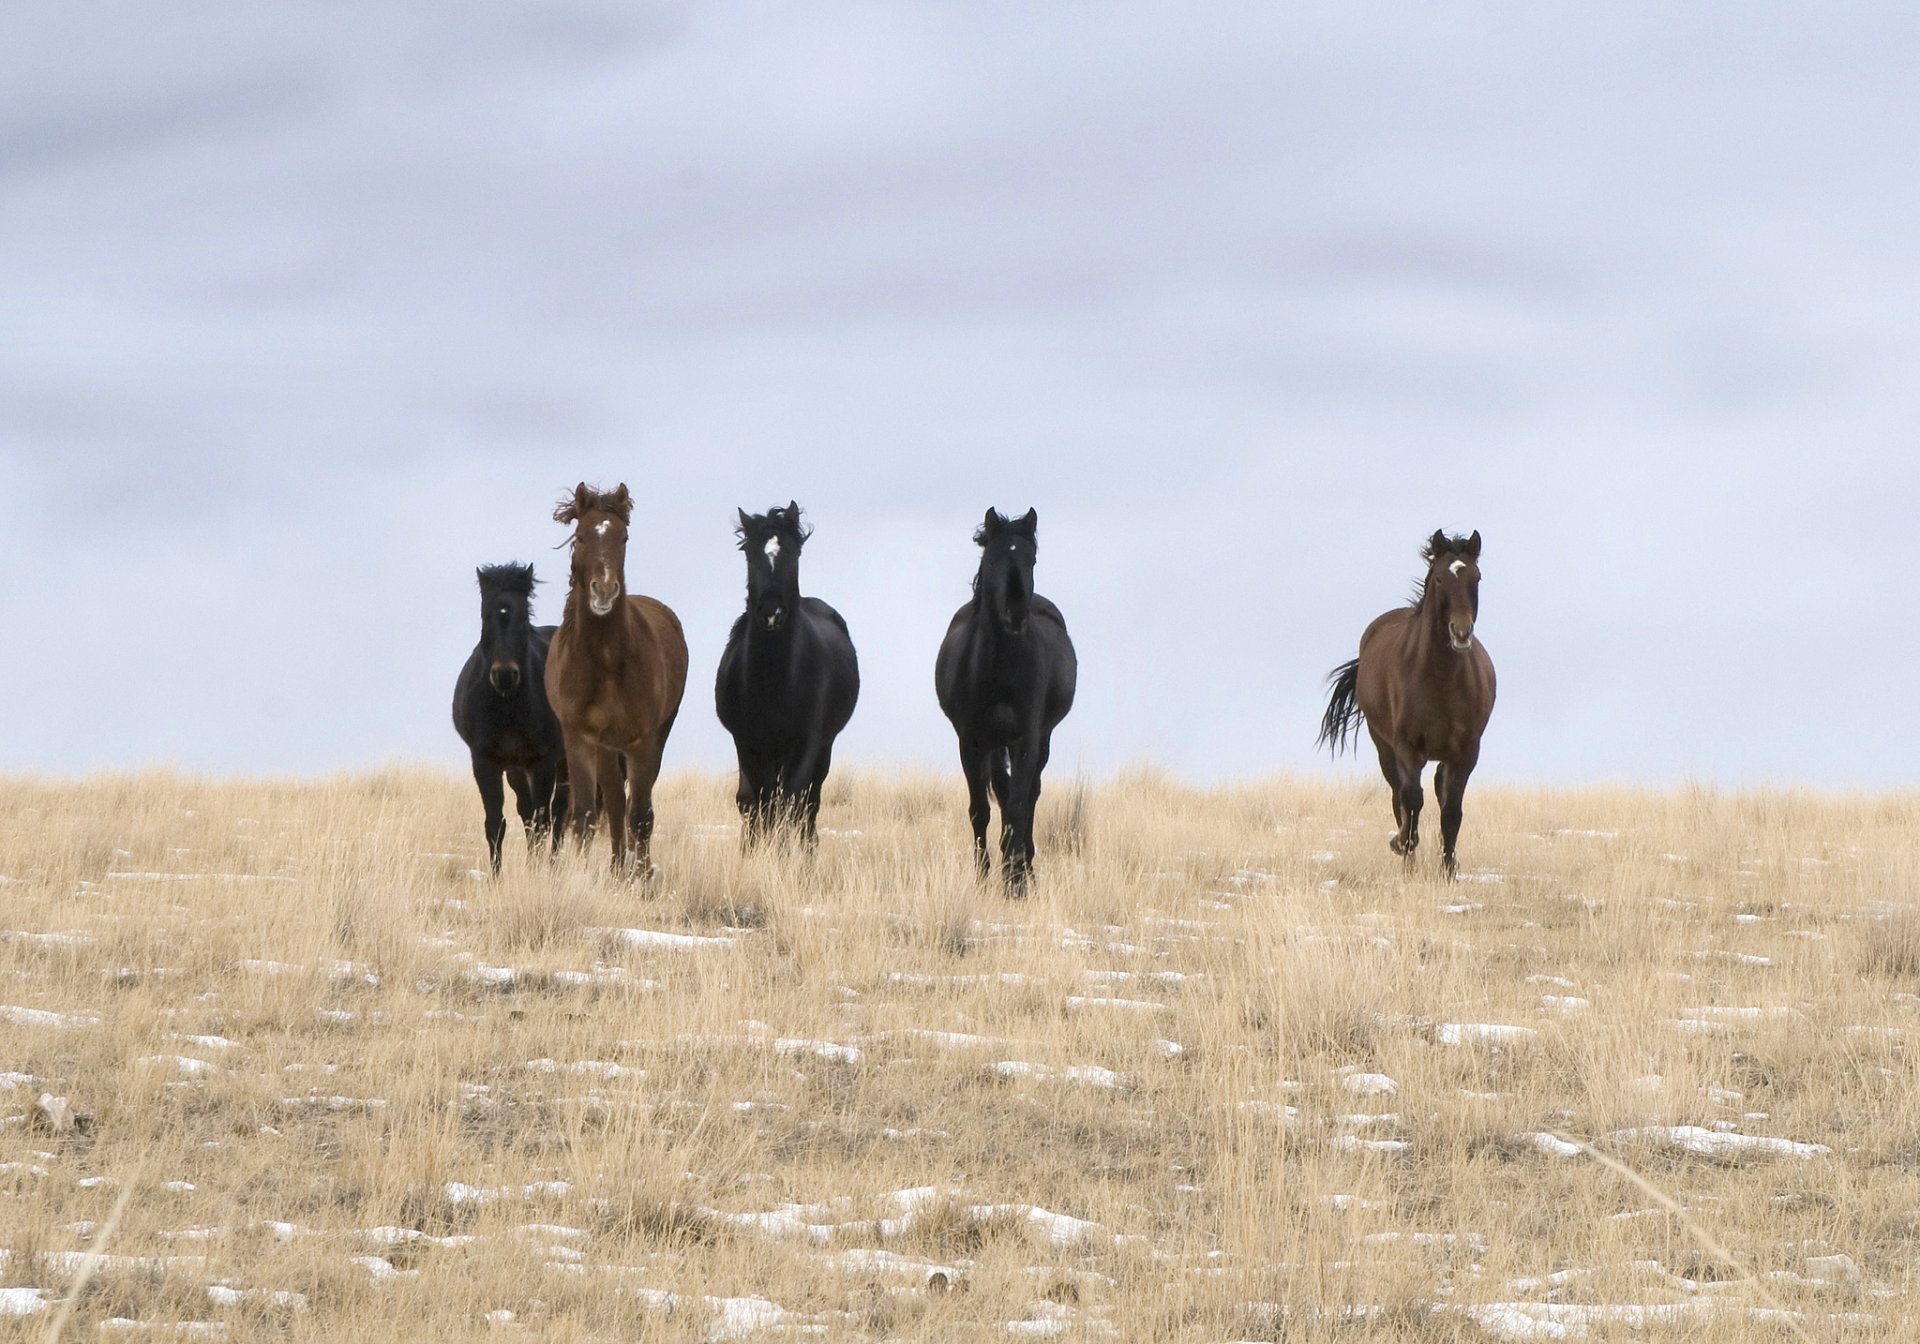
x=616 y=670
x=1424 y=686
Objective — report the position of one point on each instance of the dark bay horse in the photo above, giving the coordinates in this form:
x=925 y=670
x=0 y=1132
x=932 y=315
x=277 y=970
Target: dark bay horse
x=1423 y=685
x=787 y=683
x=615 y=673
x=1005 y=677
x=500 y=711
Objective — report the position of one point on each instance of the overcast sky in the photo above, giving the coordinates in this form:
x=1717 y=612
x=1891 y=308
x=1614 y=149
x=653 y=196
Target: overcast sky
x=306 y=310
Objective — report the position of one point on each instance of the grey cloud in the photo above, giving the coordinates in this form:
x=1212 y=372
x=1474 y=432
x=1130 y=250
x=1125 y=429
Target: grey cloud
x=306 y=311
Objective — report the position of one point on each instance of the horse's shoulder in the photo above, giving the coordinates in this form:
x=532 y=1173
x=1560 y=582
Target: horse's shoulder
x=463 y=685
x=1043 y=607
x=1388 y=624
x=661 y=622
x=653 y=610
x=824 y=610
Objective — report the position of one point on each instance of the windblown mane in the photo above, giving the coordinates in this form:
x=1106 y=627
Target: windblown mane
x=585 y=499
x=995 y=522
x=1429 y=552
x=509 y=578
x=1454 y=545
x=981 y=532
x=780 y=520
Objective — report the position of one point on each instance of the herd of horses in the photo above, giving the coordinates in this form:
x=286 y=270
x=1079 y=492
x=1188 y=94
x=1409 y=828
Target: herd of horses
x=574 y=718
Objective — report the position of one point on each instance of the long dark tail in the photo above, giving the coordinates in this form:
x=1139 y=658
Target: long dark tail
x=1341 y=723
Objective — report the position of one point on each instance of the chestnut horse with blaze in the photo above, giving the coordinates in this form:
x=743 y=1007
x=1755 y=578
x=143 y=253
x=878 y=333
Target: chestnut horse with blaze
x=1423 y=685
x=615 y=673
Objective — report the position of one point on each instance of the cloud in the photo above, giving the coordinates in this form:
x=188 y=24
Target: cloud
x=310 y=312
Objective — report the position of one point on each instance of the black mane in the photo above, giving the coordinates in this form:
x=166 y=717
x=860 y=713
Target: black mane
x=509 y=578
x=998 y=522
x=782 y=521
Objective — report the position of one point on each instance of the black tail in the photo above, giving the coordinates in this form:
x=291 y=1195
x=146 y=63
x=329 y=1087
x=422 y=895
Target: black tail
x=1341 y=723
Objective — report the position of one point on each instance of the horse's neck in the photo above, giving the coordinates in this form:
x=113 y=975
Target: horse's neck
x=769 y=652
x=612 y=636
x=1428 y=648
x=991 y=643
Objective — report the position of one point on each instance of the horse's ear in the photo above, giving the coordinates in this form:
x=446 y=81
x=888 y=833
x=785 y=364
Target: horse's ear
x=1026 y=523
x=569 y=510
x=745 y=520
x=793 y=510
x=621 y=502
x=1437 y=544
x=990 y=526
x=1473 y=545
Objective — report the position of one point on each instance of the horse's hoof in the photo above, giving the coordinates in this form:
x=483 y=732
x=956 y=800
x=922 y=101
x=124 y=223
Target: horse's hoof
x=1397 y=845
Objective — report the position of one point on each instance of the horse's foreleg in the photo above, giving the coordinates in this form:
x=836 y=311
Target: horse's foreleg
x=746 y=796
x=1027 y=761
x=493 y=797
x=525 y=802
x=1390 y=768
x=816 y=783
x=975 y=764
x=1410 y=803
x=538 y=805
x=1450 y=787
x=613 y=802
x=583 y=788
x=802 y=780
x=643 y=768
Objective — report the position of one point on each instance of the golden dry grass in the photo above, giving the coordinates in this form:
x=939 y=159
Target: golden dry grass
x=364 y=1095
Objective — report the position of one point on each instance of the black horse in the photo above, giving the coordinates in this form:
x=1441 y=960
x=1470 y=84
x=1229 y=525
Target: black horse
x=500 y=711
x=787 y=683
x=1005 y=677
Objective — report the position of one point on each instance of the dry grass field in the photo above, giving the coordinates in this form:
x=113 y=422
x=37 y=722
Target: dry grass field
x=1229 y=1074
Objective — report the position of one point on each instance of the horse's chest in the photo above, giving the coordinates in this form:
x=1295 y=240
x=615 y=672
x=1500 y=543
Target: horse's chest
x=1440 y=741
x=1001 y=719
x=598 y=716
x=516 y=747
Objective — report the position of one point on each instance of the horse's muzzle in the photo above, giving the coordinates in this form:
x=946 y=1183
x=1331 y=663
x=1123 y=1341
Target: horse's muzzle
x=600 y=600
x=504 y=678
x=1461 y=637
x=773 y=618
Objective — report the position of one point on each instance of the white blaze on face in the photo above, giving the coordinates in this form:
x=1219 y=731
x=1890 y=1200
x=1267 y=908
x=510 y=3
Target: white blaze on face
x=600 y=528
x=772 y=549
x=1455 y=568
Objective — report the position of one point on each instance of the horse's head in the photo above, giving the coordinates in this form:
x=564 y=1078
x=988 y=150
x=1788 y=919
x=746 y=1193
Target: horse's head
x=771 y=542
x=1005 y=581
x=506 y=627
x=1453 y=582
x=599 y=543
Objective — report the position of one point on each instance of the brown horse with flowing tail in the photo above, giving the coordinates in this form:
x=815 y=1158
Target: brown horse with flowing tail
x=1423 y=685
x=615 y=673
